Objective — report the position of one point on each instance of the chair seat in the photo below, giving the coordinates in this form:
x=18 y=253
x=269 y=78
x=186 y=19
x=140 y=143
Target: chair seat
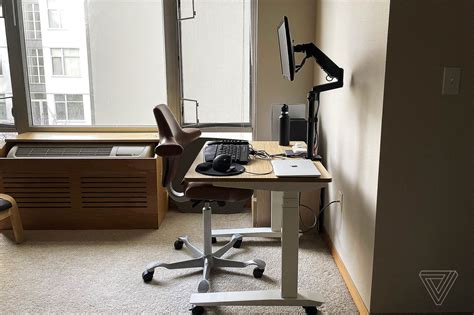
x=203 y=191
x=4 y=204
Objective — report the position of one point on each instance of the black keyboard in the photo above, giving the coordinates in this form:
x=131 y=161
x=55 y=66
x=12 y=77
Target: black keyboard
x=238 y=151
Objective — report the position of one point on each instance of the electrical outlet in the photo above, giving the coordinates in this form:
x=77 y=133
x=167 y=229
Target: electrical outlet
x=451 y=81
x=340 y=197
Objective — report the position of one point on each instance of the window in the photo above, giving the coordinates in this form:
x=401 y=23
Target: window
x=6 y=118
x=66 y=62
x=215 y=63
x=106 y=68
x=69 y=107
x=3 y=107
x=35 y=65
x=31 y=20
x=54 y=14
x=39 y=109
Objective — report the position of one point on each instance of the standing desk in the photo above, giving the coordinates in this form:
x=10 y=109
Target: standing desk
x=288 y=214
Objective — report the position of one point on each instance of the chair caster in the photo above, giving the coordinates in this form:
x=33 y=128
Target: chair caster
x=258 y=273
x=197 y=310
x=147 y=275
x=213 y=240
x=178 y=244
x=310 y=310
x=237 y=244
x=203 y=286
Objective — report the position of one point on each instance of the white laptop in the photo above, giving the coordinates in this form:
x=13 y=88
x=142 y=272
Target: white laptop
x=295 y=168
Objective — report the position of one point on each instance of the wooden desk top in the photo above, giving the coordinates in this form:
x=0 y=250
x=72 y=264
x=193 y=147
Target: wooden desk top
x=257 y=166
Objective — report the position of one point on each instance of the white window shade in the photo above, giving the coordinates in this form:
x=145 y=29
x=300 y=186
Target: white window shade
x=127 y=60
x=215 y=48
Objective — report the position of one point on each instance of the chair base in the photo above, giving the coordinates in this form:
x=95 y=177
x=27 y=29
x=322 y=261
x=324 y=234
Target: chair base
x=207 y=262
x=206 y=259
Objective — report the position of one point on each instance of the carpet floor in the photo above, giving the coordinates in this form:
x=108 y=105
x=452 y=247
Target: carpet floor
x=100 y=271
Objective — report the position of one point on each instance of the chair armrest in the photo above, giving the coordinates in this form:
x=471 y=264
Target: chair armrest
x=168 y=147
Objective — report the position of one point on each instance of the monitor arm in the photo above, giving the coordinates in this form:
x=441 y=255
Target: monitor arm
x=333 y=71
x=328 y=66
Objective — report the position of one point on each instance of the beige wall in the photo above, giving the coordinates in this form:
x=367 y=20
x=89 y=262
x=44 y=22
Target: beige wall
x=415 y=173
x=425 y=205
x=271 y=87
x=354 y=35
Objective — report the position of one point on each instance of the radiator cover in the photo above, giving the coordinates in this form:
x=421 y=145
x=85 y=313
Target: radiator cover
x=55 y=193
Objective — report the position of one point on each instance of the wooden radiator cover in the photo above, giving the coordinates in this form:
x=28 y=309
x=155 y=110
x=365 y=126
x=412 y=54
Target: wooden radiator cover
x=85 y=193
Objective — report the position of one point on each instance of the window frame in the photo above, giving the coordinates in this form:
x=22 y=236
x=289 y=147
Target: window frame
x=67 y=102
x=63 y=62
x=42 y=103
x=38 y=34
x=59 y=12
x=38 y=66
x=3 y=103
x=20 y=88
x=224 y=127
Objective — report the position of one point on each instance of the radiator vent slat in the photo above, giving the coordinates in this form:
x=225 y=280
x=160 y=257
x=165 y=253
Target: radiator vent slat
x=66 y=151
x=114 y=192
x=39 y=192
x=108 y=192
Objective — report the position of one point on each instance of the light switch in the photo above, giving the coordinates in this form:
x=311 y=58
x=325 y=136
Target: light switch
x=451 y=81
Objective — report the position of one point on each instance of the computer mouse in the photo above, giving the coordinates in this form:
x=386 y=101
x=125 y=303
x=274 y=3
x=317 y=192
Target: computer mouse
x=222 y=163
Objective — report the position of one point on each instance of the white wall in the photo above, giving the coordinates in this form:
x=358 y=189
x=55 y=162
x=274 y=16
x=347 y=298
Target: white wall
x=425 y=207
x=354 y=35
x=272 y=88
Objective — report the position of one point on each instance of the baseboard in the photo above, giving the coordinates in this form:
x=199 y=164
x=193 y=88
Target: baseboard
x=345 y=275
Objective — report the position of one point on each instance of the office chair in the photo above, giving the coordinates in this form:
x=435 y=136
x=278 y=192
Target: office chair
x=178 y=148
x=9 y=208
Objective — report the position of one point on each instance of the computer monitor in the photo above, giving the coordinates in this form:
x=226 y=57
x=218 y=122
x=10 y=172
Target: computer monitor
x=288 y=68
x=287 y=57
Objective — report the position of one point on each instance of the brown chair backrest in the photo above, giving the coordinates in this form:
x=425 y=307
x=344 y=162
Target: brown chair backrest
x=173 y=141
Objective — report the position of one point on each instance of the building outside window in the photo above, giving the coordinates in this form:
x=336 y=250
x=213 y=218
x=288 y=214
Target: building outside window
x=39 y=109
x=69 y=107
x=55 y=18
x=35 y=65
x=66 y=62
x=3 y=108
x=31 y=20
x=115 y=85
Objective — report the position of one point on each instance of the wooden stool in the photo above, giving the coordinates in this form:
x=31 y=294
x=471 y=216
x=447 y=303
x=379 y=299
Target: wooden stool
x=9 y=208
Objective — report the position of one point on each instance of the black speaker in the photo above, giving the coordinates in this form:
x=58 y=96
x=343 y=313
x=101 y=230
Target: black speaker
x=298 y=129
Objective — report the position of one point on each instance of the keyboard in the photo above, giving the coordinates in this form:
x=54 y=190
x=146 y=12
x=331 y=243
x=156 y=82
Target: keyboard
x=238 y=150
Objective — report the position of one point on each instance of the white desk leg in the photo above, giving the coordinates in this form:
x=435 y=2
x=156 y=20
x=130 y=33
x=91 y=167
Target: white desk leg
x=289 y=244
x=276 y=210
x=288 y=294
x=273 y=231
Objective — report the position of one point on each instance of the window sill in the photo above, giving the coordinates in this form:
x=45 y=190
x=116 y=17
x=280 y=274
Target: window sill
x=60 y=76
x=229 y=135
x=107 y=136
x=84 y=137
